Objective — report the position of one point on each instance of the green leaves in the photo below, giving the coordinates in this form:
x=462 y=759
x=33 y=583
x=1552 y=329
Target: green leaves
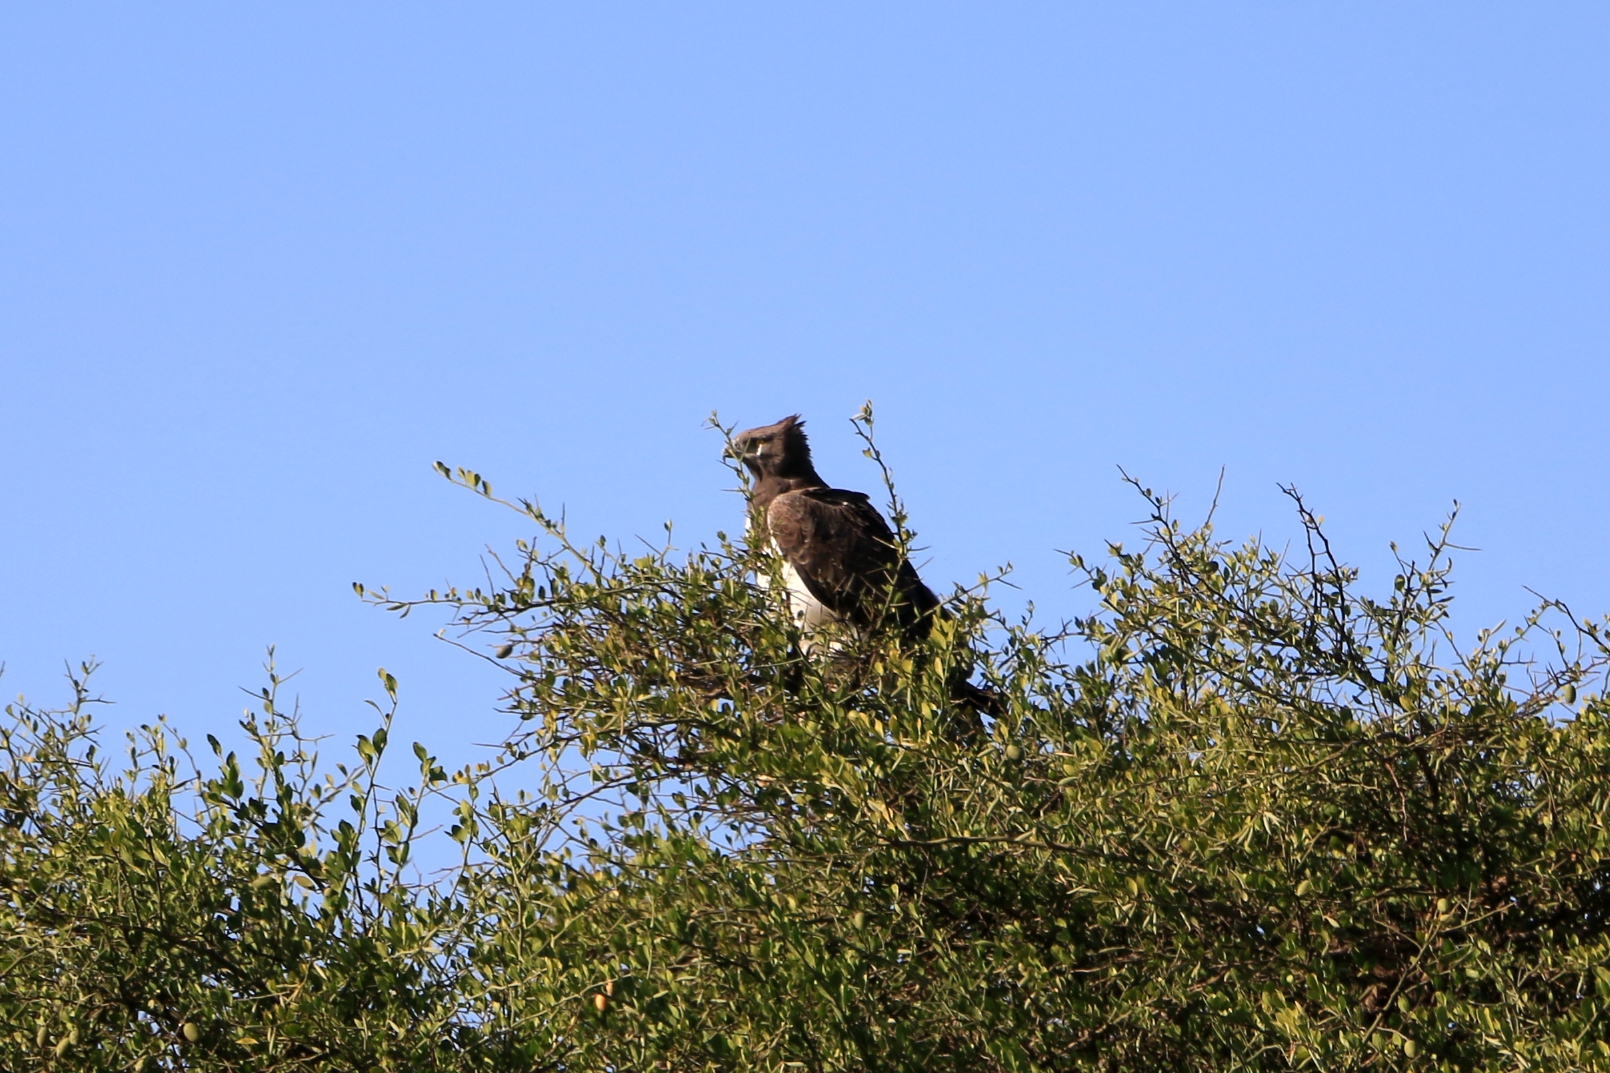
x=1243 y=815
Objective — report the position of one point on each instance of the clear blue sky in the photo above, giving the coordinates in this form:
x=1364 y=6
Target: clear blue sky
x=260 y=265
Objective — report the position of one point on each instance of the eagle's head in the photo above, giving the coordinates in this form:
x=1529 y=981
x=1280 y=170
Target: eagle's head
x=779 y=450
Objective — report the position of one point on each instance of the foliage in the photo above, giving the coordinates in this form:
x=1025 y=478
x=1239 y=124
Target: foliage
x=1243 y=816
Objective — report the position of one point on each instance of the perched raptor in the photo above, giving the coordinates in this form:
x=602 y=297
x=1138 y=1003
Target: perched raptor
x=841 y=562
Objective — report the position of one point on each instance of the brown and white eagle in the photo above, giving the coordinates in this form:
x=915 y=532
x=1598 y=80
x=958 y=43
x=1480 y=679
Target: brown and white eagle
x=841 y=561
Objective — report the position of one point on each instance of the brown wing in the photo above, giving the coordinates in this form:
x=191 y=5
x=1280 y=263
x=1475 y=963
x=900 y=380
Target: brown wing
x=847 y=557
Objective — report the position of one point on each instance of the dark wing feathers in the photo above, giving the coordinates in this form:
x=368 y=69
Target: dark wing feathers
x=847 y=557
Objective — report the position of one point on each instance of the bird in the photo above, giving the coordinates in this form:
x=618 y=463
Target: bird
x=841 y=563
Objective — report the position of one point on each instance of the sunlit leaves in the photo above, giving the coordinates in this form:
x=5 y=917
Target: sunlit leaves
x=1246 y=814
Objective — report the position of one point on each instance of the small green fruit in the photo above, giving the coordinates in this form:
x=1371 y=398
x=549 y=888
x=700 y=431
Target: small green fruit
x=191 y=1030
x=1014 y=753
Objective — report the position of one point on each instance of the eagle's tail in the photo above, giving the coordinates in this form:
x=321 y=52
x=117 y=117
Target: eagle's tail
x=973 y=703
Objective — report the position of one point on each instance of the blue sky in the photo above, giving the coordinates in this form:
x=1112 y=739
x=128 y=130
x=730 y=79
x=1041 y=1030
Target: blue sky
x=260 y=266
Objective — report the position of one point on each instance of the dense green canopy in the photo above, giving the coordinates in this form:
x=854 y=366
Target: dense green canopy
x=1242 y=817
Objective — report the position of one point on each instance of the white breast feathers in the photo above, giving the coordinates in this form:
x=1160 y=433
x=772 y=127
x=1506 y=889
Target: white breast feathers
x=809 y=613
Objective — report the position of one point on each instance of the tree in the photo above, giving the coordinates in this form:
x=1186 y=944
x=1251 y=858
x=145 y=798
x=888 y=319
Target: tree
x=1242 y=816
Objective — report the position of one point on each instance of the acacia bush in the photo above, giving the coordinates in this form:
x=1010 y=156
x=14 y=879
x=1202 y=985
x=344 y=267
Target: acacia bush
x=1243 y=816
